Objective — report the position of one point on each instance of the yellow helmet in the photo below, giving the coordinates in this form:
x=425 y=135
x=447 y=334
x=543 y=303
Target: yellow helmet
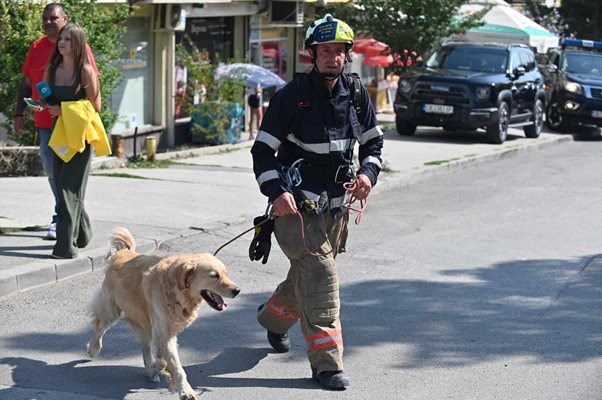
x=329 y=30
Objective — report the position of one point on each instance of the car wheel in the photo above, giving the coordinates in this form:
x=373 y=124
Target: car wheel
x=554 y=120
x=405 y=128
x=533 y=131
x=497 y=132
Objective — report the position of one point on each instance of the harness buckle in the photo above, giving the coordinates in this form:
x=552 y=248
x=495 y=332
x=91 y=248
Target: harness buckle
x=291 y=176
x=347 y=175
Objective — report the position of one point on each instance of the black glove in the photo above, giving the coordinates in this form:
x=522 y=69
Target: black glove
x=261 y=243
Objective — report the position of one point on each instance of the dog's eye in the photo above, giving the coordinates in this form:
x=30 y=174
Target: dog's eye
x=214 y=274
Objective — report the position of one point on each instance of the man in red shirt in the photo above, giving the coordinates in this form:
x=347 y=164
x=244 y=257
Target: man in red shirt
x=54 y=18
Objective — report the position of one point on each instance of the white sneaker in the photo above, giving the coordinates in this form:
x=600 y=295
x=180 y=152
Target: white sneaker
x=51 y=235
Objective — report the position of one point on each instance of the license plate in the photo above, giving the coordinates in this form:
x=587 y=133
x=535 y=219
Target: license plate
x=437 y=109
x=597 y=114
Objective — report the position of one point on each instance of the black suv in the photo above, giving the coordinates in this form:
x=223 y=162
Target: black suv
x=574 y=84
x=473 y=85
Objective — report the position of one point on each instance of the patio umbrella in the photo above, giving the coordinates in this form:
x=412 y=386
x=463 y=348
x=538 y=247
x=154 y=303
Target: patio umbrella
x=304 y=57
x=378 y=61
x=504 y=24
x=370 y=47
x=252 y=75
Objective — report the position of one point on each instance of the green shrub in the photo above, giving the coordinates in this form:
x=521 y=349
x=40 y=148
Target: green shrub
x=216 y=122
x=21 y=24
x=212 y=117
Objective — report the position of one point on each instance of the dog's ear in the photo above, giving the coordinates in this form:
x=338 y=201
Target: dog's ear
x=185 y=273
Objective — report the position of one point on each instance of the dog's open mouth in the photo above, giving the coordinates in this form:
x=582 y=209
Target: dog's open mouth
x=214 y=300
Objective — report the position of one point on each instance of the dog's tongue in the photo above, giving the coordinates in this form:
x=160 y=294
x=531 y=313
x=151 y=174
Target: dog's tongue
x=221 y=304
x=215 y=300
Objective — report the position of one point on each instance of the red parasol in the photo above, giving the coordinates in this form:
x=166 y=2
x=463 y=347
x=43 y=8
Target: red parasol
x=370 y=47
x=378 y=61
x=304 y=57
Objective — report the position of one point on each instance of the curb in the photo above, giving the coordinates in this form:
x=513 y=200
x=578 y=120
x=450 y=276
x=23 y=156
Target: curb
x=397 y=179
x=38 y=273
x=35 y=274
x=109 y=162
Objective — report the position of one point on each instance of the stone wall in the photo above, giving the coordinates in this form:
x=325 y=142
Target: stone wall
x=20 y=161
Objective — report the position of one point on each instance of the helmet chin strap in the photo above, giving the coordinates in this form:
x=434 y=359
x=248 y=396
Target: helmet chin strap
x=327 y=76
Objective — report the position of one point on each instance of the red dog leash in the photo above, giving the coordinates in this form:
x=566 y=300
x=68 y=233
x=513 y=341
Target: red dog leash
x=350 y=187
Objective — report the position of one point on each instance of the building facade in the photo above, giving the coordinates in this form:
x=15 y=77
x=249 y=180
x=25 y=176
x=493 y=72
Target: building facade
x=267 y=33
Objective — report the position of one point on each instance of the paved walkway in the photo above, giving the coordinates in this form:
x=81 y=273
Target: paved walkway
x=208 y=189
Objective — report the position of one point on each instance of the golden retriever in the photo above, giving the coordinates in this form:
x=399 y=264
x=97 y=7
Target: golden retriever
x=159 y=297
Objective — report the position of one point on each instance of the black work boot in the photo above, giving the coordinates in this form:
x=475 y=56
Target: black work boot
x=279 y=341
x=335 y=380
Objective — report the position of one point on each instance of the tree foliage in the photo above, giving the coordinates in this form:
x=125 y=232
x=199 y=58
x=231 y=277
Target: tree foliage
x=584 y=17
x=21 y=24
x=549 y=17
x=407 y=26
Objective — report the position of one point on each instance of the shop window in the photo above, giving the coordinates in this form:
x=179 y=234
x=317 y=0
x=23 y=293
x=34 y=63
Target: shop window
x=212 y=34
x=131 y=98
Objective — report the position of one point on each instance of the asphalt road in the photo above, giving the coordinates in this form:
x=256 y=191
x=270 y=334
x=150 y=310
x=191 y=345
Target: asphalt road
x=478 y=284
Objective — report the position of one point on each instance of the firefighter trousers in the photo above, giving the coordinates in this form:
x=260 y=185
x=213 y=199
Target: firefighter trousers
x=310 y=292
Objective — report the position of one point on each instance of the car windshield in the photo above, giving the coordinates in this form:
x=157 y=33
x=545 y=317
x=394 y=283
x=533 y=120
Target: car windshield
x=470 y=58
x=583 y=63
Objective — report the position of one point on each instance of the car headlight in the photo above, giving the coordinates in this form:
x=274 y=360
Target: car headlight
x=573 y=87
x=483 y=92
x=405 y=85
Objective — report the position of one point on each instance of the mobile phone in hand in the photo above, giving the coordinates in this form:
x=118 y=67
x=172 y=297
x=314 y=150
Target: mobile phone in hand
x=33 y=103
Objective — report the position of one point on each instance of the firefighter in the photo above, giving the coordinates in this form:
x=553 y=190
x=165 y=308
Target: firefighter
x=302 y=158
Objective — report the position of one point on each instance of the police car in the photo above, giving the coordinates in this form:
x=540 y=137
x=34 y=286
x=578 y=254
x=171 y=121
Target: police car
x=574 y=84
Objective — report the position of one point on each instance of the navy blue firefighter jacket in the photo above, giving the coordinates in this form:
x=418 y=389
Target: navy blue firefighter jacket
x=323 y=134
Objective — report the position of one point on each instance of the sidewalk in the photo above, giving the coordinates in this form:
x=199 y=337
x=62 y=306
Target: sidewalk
x=209 y=189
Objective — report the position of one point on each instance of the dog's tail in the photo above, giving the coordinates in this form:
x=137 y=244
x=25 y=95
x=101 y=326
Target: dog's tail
x=121 y=239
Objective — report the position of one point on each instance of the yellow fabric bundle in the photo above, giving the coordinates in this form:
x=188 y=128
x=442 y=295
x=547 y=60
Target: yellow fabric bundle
x=78 y=124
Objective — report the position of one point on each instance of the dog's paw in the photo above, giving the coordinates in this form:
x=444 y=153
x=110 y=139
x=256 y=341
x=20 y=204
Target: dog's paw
x=186 y=392
x=188 y=395
x=93 y=349
x=155 y=370
x=172 y=383
x=168 y=376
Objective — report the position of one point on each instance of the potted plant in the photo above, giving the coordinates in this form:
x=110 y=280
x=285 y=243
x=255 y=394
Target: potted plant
x=214 y=106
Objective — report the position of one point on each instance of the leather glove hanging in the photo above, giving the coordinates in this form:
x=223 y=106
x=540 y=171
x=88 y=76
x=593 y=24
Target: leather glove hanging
x=262 y=241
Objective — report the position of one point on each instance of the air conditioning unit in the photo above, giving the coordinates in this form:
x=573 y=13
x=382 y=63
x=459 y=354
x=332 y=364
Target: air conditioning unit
x=170 y=17
x=286 y=13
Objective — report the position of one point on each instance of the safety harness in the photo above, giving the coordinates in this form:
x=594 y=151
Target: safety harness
x=336 y=173
x=291 y=177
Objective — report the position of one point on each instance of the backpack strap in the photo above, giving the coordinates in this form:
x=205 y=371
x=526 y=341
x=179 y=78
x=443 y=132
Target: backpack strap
x=355 y=86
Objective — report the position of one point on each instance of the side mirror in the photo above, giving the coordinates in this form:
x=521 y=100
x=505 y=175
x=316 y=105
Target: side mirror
x=552 y=68
x=519 y=71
